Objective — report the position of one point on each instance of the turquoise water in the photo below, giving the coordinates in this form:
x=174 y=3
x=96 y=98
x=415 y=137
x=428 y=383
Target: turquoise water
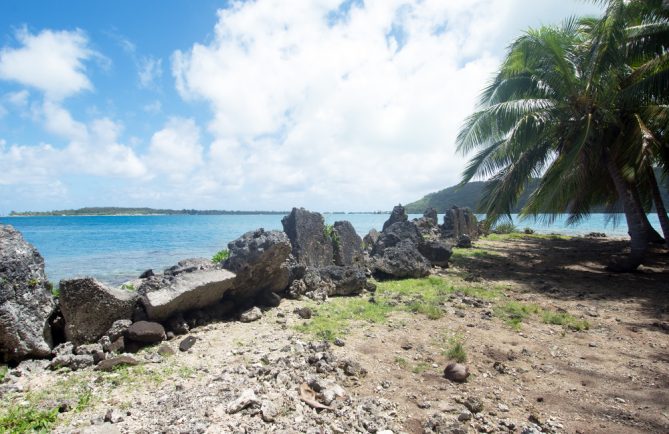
x=117 y=248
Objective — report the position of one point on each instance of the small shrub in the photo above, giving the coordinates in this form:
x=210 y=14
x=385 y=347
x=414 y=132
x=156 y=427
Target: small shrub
x=504 y=228
x=331 y=234
x=128 y=287
x=33 y=282
x=401 y=362
x=221 y=256
x=528 y=231
x=3 y=372
x=456 y=351
x=19 y=419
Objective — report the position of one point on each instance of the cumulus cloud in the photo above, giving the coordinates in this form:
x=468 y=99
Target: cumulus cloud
x=351 y=105
x=51 y=61
x=175 y=150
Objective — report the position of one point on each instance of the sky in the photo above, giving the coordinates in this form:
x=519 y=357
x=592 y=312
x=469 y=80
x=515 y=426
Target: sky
x=259 y=105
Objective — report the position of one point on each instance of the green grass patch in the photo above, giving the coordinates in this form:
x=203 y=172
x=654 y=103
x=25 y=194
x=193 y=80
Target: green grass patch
x=221 y=256
x=564 y=319
x=3 y=372
x=401 y=362
x=514 y=313
x=420 y=367
x=426 y=296
x=331 y=319
x=21 y=419
x=456 y=350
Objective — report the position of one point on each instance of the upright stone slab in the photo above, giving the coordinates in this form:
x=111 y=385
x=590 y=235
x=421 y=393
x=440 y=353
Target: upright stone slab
x=460 y=221
x=188 y=291
x=397 y=215
x=306 y=231
x=90 y=308
x=26 y=302
x=347 y=244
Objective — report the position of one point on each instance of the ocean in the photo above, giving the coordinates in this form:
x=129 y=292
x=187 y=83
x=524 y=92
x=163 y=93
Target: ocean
x=114 y=249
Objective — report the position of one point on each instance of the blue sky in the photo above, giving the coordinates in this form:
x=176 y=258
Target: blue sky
x=325 y=104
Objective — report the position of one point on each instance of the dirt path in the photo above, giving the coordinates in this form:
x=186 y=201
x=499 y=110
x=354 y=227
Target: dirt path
x=612 y=377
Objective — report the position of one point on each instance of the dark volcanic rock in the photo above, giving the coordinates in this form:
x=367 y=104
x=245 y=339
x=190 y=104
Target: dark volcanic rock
x=146 y=332
x=438 y=252
x=90 y=308
x=459 y=221
x=188 y=266
x=344 y=280
x=397 y=215
x=306 y=231
x=430 y=215
x=26 y=302
x=347 y=244
x=370 y=239
x=187 y=343
x=260 y=260
x=396 y=233
x=148 y=273
x=401 y=260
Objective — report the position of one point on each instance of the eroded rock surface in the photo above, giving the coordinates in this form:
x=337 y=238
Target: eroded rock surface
x=26 y=302
x=90 y=308
x=259 y=259
x=347 y=244
x=306 y=231
x=188 y=291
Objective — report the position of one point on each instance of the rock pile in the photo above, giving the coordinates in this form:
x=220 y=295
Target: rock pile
x=306 y=258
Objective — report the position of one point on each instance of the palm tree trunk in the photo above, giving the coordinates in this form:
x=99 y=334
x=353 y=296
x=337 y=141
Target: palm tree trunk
x=633 y=215
x=659 y=205
x=653 y=236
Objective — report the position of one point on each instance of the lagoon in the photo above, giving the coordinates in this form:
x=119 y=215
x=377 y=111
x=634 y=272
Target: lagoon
x=114 y=249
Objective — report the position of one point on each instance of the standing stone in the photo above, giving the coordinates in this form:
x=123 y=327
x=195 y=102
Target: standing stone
x=430 y=215
x=397 y=215
x=458 y=222
x=306 y=231
x=26 y=302
x=347 y=244
x=90 y=308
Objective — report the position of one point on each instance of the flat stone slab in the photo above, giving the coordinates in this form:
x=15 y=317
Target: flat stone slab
x=190 y=291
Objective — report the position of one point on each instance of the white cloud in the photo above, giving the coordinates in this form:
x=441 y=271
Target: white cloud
x=353 y=109
x=51 y=61
x=150 y=69
x=175 y=150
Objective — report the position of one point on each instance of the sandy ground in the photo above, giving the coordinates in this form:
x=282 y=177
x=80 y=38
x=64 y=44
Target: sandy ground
x=611 y=378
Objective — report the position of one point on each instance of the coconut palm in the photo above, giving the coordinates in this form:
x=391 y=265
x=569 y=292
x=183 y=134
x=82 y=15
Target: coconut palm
x=561 y=108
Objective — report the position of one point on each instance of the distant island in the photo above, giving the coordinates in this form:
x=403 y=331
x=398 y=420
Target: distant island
x=106 y=211
x=113 y=210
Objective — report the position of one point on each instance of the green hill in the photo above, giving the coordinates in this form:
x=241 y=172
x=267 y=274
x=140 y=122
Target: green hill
x=468 y=195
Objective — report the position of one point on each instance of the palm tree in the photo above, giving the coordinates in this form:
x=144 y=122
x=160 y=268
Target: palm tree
x=558 y=109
